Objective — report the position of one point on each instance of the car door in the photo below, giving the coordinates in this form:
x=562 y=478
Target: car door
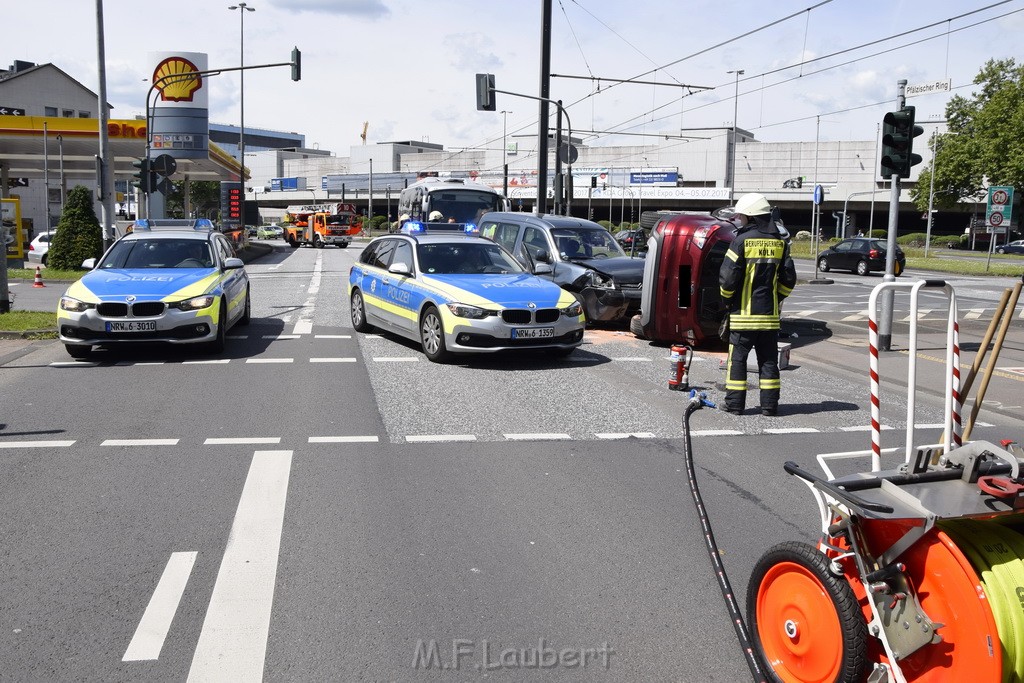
x=842 y=258
x=401 y=307
x=234 y=280
x=373 y=267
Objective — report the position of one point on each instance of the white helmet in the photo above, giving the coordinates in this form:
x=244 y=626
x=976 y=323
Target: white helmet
x=435 y=216
x=752 y=204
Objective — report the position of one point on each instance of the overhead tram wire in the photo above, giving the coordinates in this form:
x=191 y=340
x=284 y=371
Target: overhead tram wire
x=852 y=61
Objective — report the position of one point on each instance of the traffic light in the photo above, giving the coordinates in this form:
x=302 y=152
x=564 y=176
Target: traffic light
x=485 y=92
x=296 y=64
x=145 y=178
x=898 y=133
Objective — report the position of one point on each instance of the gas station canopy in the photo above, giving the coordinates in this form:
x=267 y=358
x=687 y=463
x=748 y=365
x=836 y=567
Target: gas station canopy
x=27 y=143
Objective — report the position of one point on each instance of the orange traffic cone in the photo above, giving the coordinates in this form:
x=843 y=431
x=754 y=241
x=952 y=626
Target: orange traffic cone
x=38 y=282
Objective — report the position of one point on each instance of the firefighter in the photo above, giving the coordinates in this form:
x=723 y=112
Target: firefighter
x=757 y=274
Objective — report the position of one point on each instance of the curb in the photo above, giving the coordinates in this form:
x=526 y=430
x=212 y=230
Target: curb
x=27 y=334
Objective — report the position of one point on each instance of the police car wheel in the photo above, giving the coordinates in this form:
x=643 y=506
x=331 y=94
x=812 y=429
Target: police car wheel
x=359 y=313
x=432 y=336
x=217 y=345
x=247 y=311
x=78 y=351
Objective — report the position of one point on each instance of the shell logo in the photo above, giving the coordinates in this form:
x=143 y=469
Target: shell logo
x=177 y=79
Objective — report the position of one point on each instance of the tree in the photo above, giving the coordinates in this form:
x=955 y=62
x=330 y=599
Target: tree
x=985 y=142
x=204 y=195
x=78 y=235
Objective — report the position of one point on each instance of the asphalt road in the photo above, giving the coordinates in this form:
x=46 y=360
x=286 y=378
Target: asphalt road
x=322 y=505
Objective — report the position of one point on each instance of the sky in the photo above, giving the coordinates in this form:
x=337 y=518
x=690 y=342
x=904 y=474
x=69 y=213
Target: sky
x=405 y=68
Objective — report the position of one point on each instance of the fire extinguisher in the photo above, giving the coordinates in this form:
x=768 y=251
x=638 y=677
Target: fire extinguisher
x=681 y=356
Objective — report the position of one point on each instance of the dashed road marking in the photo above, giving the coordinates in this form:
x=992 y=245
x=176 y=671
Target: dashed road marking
x=537 y=437
x=222 y=441
x=216 y=361
x=344 y=439
x=792 y=430
x=35 y=444
x=140 y=442
x=281 y=337
x=439 y=438
x=624 y=435
x=332 y=336
x=332 y=360
x=269 y=360
x=716 y=432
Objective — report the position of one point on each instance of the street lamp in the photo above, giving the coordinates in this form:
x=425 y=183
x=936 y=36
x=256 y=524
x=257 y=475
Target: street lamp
x=504 y=151
x=242 y=9
x=735 y=112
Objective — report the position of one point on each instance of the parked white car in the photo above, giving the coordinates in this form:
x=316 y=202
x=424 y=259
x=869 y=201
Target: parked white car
x=39 y=246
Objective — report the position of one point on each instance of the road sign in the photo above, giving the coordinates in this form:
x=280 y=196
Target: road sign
x=164 y=165
x=819 y=194
x=1000 y=206
x=568 y=153
x=929 y=88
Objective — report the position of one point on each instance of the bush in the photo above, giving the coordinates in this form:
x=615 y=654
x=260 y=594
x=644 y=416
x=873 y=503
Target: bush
x=79 y=236
x=950 y=241
x=803 y=236
x=914 y=239
x=607 y=225
x=376 y=222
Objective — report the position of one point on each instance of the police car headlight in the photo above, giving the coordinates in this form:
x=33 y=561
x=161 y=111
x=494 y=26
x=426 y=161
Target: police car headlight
x=67 y=303
x=573 y=310
x=592 y=278
x=195 y=303
x=465 y=311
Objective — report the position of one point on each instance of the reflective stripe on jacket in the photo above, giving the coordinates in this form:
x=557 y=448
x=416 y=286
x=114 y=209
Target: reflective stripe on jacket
x=757 y=268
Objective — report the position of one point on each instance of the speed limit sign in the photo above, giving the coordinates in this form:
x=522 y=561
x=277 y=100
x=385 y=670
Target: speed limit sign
x=1000 y=206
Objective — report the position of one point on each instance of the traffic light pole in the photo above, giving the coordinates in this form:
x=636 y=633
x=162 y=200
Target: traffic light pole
x=885 y=318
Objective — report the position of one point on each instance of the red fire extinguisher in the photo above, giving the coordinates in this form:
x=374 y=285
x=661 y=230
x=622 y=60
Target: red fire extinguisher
x=681 y=356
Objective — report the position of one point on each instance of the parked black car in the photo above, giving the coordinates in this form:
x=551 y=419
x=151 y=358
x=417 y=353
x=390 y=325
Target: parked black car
x=860 y=255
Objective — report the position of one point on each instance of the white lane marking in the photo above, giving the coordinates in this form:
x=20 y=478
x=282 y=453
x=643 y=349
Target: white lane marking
x=439 y=438
x=395 y=359
x=282 y=336
x=140 y=442
x=974 y=313
x=792 y=430
x=537 y=437
x=215 y=361
x=332 y=360
x=304 y=325
x=864 y=428
x=156 y=620
x=624 y=435
x=716 y=432
x=35 y=444
x=332 y=336
x=343 y=439
x=236 y=337
x=221 y=441
x=634 y=359
x=269 y=360
x=156 y=362
x=930 y=425
x=74 y=364
x=233 y=642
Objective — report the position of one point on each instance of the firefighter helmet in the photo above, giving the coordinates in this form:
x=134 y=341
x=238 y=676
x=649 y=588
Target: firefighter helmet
x=753 y=204
x=436 y=216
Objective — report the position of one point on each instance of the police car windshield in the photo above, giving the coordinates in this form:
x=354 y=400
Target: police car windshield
x=585 y=243
x=465 y=259
x=159 y=253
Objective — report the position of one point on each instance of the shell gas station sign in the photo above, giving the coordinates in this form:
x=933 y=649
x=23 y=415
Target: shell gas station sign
x=180 y=115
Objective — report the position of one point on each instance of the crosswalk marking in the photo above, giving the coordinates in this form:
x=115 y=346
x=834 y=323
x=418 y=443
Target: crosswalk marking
x=156 y=620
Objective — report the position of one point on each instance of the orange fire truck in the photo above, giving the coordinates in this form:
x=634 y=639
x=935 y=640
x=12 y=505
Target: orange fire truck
x=320 y=225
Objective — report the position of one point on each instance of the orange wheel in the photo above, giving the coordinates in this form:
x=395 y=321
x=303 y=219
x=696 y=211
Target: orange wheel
x=806 y=622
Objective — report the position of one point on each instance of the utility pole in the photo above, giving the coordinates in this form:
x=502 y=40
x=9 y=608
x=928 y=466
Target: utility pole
x=735 y=113
x=885 y=319
x=105 y=184
x=542 y=125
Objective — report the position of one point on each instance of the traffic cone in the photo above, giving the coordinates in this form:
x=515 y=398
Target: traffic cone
x=38 y=282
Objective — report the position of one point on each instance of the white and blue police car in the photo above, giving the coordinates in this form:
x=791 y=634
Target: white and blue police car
x=173 y=284
x=459 y=293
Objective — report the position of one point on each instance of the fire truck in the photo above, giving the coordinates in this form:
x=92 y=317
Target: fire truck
x=320 y=225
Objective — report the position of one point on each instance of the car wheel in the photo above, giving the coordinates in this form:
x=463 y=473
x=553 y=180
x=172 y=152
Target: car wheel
x=897 y=268
x=78 y=351
x=43 y=259
x=432 y=335
x=292 y=242
x=1000 y=250
x=317 y=242
x=823 y=265
x=343 y=245
x=217 y=345
x=862 y=268
x=359 y=313
x=247 y=311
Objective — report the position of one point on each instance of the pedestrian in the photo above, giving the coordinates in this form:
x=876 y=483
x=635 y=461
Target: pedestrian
x=756 y=275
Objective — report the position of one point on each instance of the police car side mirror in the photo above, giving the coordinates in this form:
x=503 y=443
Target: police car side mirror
x=400 y=268
x=89 y=263
x=543 y=269
x=232 y=263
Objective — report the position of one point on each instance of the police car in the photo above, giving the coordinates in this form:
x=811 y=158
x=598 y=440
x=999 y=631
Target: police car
x=458 y=293
x=179 y=284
